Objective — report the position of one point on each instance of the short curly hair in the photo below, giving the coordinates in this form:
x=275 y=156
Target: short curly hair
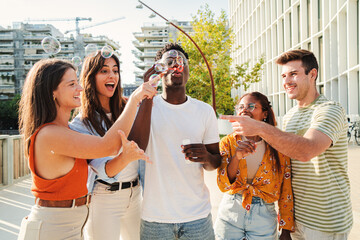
x=168 y=47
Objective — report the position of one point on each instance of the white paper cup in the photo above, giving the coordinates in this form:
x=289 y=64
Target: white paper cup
x=186 y=142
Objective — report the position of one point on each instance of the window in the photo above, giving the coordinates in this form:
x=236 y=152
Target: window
x=321 y=58
x=308 y=14
x=320 y=14
x=298 y=23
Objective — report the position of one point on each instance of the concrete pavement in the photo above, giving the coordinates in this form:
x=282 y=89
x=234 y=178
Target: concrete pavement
x=16 y=200
x=353 y=170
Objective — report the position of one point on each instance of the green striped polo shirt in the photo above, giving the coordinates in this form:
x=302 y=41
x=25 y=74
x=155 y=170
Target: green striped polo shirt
x=321 y=186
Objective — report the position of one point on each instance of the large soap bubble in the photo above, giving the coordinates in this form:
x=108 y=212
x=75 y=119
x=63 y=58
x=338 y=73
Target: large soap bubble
x=107 y=51
x=51 y=45
x=91 y=50
x=76 y=61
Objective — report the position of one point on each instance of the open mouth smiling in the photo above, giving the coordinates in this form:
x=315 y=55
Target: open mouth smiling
x=110 y=85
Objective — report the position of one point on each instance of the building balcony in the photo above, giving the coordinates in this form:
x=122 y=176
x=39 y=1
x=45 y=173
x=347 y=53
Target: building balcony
x=4 y=57
x=142 y=45
x=6 y=50
x=142 y=36
x=7 y=89
x=7 y=67
x=34 y=37
x=32 y=46
x=150 y=25
x=38 y=28
x=139 y=74
x=28 y=66
x=6 y=37
x=140 y=65
x=67 y=49
x=142 y=55
x=143 y=65
x=35 y=56
x=101 y=40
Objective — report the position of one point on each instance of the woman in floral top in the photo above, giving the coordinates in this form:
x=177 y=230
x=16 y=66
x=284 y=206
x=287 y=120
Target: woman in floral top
x=253 y=176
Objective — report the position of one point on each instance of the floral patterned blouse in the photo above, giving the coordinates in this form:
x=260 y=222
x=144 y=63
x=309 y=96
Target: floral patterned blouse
x=268 y=183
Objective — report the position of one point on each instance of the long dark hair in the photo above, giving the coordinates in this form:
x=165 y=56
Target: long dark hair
x=92 y=112
x=37 y=105
x=270 y=119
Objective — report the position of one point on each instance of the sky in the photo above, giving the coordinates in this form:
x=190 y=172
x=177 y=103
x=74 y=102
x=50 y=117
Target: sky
x=102 y=10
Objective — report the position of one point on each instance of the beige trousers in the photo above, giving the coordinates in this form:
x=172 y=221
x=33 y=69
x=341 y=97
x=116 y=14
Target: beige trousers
x=304 y=233
x=114 y=215
x=46 y=223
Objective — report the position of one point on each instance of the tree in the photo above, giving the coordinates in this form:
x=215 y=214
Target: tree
x=215 y=39
x=9 y=110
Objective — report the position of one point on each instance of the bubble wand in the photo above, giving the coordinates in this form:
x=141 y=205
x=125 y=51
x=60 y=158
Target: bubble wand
x=202 y=54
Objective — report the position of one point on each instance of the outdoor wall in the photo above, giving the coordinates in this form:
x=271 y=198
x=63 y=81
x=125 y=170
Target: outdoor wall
x=329 y=28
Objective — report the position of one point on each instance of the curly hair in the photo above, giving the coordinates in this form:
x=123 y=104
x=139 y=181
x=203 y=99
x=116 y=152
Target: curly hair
x=168 y=47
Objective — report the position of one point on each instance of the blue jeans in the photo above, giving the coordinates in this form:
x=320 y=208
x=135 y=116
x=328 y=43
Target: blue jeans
x=201 y=229
x=141 y=172
x=234 y=222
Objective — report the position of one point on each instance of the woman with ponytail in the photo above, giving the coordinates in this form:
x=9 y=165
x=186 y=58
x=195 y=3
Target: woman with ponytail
x=253 y=176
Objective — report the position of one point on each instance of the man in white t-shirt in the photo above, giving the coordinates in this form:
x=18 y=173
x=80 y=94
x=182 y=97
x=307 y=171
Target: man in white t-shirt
x=176 y=202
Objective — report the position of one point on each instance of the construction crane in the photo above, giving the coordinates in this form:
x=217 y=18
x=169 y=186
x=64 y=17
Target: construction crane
x=93 y=25
x=76 y=19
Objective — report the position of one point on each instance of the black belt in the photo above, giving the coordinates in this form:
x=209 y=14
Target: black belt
x=119 y=185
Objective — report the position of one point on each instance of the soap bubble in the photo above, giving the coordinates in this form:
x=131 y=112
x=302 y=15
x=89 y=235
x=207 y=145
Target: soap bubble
x=155 y=80
x=180 y=60
x=76 y=61
x=91 y=50
x=160 y=67
x=173 y=53
x=107 y=51
x=51 y=45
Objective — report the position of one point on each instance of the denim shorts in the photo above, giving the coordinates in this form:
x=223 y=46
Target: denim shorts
x=201 y=229
x=234 y=222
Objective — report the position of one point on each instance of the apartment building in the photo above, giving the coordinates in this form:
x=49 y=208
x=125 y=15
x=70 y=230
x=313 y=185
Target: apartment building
x=329 y=28
x=20 y=49
x=154 y=36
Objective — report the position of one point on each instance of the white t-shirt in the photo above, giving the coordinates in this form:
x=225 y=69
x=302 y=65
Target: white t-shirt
x=175 y=190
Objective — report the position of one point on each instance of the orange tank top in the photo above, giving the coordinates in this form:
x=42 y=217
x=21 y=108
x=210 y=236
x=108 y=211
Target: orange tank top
x=70 y=186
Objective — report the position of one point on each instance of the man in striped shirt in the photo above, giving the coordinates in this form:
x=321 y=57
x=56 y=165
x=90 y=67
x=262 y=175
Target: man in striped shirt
x=315 y=140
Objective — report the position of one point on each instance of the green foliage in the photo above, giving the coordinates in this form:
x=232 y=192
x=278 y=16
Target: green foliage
x=246 y=76
x=215 y=39
x=9 y=110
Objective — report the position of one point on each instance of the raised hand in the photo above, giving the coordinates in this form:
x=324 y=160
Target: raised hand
x=145 y=90
x=131 y=151
x=244 y=125
x=245 y=148
x=154 y=81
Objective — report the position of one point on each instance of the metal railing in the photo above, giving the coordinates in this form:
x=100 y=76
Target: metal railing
x=354 y=130
x=13 y=163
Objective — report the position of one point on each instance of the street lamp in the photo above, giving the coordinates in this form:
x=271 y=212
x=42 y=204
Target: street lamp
x=202 y=54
